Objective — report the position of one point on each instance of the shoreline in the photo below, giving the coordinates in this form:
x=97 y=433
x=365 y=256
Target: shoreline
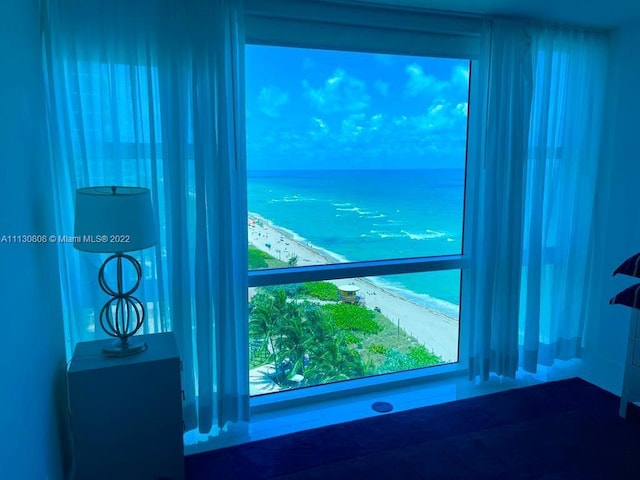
x=437 y=331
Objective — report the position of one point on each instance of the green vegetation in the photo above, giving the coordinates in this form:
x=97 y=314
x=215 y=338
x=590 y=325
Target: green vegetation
x=257 y=258
x=397 y=361
x=311 y=338
x=423 y=357
x=352 y=317
x=292 y=290
x=320 y=290
x=351 y=339
x=377 y=348
x=300 y=339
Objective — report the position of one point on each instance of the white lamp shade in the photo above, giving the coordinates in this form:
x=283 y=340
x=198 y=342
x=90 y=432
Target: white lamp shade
x=113 y=219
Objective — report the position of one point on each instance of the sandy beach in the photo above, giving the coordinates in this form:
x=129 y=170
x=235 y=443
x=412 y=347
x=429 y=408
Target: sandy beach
x=435 y=330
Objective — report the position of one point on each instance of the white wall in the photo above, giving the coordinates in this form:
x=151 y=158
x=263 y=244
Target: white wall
x=32 y=354
x=618 y=212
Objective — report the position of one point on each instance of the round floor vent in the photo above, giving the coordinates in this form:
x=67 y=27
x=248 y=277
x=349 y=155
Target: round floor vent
x=382 y=407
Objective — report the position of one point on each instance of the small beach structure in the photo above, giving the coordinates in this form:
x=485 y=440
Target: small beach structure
x=349 y=293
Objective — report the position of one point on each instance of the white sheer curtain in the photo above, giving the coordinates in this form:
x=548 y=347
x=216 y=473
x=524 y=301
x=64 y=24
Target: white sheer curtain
x=564 y=151
x=533 y=228
x=498 y=206
x=149 y=93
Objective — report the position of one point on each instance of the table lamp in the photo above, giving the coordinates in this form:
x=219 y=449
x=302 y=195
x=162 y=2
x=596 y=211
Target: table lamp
x=117 y=220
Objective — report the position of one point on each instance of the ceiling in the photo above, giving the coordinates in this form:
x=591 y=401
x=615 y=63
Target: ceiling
x=596 y=13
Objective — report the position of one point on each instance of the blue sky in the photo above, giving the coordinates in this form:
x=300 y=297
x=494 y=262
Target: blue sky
x=319 y=109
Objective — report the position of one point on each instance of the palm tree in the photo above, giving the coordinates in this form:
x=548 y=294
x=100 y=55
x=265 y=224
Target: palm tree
x=280 y=323
x=334 y=361
x=330 y=357
x=263 y=324
x=295 y=338
x=293 y=332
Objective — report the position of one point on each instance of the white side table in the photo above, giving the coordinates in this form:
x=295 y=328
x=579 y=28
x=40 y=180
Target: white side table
x=126 y=413
x=631 y=380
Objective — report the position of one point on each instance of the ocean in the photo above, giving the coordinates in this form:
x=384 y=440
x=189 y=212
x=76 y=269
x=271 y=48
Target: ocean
x=371 y=215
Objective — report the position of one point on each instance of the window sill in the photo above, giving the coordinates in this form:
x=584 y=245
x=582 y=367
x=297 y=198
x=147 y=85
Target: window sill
x=379 y=384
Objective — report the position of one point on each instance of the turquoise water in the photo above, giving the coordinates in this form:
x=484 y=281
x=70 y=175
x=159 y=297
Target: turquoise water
x=372 y=215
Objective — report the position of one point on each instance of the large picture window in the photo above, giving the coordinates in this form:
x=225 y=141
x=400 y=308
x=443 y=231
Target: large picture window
x=356 y=166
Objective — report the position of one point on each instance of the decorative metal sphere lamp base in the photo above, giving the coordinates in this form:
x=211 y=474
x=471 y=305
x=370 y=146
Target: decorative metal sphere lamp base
x=118 y=349
x=123 y=314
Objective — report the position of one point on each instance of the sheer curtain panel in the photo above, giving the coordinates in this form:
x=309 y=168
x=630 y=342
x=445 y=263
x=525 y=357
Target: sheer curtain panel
x=564 y=153
x=496 y=230
x=532 y=231
x=148 y=93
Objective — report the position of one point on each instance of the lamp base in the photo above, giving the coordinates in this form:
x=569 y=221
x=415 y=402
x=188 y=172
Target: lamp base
x=119 y=349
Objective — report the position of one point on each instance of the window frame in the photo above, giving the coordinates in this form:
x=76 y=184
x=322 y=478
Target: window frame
x=305 y=24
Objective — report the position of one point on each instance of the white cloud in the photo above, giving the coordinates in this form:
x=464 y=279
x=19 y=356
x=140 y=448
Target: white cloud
x=353 y=126
x=376 y=121
x=462 y=109
x=341 y=92
x=460 y=76
x=442 y=117
x=319 y=123
x=345 y=122
x=420 y=83
x=361 y=127
x=382 y=88
x=435 y=109
x=271 y=99
x=319 y=128
x=400 y=121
